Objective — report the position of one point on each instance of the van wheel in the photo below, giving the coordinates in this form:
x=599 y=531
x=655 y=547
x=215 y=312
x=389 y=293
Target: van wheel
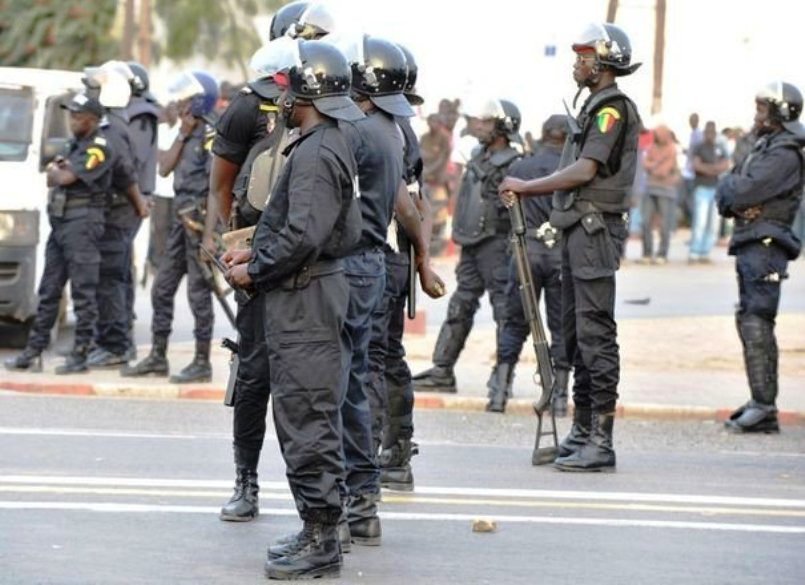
x=14 y=334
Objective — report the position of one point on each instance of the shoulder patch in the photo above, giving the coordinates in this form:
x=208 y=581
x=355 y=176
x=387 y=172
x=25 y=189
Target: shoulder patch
x=268 y=107
x=95 y=157
x=607 y=118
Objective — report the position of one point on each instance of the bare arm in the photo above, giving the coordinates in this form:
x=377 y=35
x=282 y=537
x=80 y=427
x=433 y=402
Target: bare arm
x=575 y=175
x=219 y=200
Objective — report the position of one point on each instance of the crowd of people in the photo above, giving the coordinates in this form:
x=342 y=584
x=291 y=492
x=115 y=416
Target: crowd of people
x=310 y=192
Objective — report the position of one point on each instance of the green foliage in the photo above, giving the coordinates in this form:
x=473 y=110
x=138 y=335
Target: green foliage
x=217 y=29
x=56 y=34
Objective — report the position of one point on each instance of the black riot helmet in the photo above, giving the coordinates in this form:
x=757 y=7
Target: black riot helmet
x=409 y=91
x=322 y=76
x=611 y=46
x=301 y=20
x=379 y=73
x=139 y=82
x=509 y=124
x=785 y=104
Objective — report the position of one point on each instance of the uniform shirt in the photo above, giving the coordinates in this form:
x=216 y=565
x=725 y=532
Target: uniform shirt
x=605 y=129
x=300 y=223
x=116 y=130
x=378 y=146
x=92 y=161
x=143 y=135
x=191 y=177
x=242 y=124
x=542 y=163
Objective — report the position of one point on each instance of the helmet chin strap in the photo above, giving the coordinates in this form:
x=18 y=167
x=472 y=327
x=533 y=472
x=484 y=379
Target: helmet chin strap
x=591 y=80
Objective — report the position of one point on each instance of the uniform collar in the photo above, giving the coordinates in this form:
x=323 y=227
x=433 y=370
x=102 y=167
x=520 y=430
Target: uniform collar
x=325 y=123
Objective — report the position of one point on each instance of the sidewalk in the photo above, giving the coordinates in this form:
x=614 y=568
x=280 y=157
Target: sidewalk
x=680 y=354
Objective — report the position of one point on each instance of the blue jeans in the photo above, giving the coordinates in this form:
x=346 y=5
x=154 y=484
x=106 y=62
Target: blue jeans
x=705 y=221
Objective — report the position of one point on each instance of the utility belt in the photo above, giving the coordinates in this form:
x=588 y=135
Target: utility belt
x=59 y=202
x=318 y=269
x=546 y=233
x=117 y=200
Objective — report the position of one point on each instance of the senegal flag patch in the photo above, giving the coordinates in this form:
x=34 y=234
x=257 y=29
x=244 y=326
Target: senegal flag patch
x=606 y=119
x=95 y=157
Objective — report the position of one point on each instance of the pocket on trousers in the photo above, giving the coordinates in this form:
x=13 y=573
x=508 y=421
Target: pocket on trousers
x=309 y=359
x=592 y=254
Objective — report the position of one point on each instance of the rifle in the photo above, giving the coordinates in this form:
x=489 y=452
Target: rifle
x=194 y=227
x=541 y=455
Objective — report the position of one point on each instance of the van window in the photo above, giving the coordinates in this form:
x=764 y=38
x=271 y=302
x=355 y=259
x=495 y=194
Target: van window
x=56 y=128
x=16 y=119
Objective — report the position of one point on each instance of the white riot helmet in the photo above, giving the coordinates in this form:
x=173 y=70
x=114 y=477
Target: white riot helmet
x=108 y=84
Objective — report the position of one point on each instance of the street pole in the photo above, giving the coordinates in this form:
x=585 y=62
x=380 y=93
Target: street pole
x=659 y=53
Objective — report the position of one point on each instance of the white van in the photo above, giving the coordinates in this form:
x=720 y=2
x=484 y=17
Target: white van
x=33 y=129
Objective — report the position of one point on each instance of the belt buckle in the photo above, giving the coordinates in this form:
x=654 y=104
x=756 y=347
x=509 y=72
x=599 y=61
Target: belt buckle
x=302 y=278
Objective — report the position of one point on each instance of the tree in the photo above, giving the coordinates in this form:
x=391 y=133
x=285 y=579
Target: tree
x=56 y=34
x=218 y=29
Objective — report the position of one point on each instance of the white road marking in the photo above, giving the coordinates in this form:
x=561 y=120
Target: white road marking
x=103 y=507
x=422 y=490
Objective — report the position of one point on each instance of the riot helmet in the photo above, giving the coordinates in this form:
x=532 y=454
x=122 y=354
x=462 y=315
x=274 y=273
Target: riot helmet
x=379 y=73
x=509 y=125
x=139 y=81
x=785 y=104
x=320 y=74
x=301 y=20
x=409 y=91
x=505 y=114
x=200 y=88
x=267 y=61
x=611 y=46
x=108 y=84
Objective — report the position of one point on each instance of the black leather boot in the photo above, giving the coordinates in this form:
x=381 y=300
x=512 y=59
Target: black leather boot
x=244 y=504
x=76 y=362
x=597 y=453
x=436 y=379
x=364 y=523
x=316 y=554
x=579 y=432
x=499 y=385
x=155 y=363
x=395 y=466
x=287 y=544
x=759 y=415
x=103 y=358
x=559 y=396
x=199 y=370
x=30 y=360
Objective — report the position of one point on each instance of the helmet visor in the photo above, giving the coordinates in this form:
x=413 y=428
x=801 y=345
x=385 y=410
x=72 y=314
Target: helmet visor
x=185 y=86
x=773 y=92
x=484 y=109
x=278 y=55
x=590 y=38
x=315 y=22
x=113 y=89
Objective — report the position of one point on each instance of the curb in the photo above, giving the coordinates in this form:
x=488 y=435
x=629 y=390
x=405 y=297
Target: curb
x=422 y=401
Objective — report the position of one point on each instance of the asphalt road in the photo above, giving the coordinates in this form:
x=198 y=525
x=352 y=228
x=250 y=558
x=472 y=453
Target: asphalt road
x=125 y=491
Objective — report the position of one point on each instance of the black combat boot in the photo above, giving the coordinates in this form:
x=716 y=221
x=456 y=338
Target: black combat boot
x=103 y=358
x=76 y=362
x=364 y=523
x=559 y=395
x=395 y=466
x=155 y=363
x=316 y=554
x=244 y=505
x=30 y=360
x=499 y=384
x=289 y=543
x=597 y=453
x=199 y=370
x=759 y=415
x=436 y=379
x=579 y=432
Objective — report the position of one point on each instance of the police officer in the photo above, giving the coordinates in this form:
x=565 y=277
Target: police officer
x=481 y=226
x=763 y=194
x=249 y=127
x=390 y=390
x=378 y=81
x=125 y=208
x=545 y=258
x=310 y=222
x=188 y=159
x=79 y=181
x=589 y=206
x=114 y=337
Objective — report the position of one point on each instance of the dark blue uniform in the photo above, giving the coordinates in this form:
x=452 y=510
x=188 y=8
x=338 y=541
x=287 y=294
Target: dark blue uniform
x=191 y=185
x=72 y=251
x=378 y=148
x=769 y=182
x=546 y=267
x=114 y=319
x=309 y=224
